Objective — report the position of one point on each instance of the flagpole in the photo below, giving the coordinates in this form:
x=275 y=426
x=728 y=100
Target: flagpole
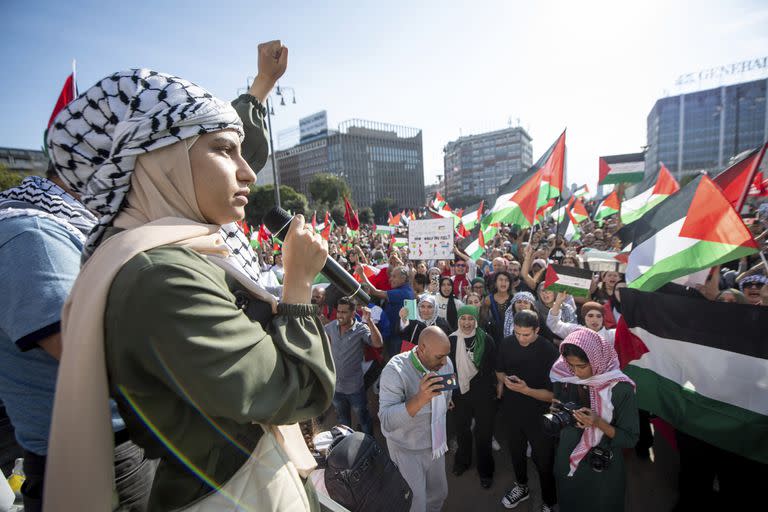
x=74 y=78
x=765 y=262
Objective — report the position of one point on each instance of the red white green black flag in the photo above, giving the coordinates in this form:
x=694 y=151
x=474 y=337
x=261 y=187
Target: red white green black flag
x=692 y=230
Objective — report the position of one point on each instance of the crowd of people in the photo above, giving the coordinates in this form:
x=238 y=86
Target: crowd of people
x=140 y=332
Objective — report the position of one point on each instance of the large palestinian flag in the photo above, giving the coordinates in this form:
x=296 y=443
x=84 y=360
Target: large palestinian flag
x=609 y=206
x=572 y=280
x=694 y=229
x=620 y=169
x=472 y=217
x=736 y=180
x=699 y=365
x=655 y=190
x=576 y=210
x=516 y=202
x=552 y=167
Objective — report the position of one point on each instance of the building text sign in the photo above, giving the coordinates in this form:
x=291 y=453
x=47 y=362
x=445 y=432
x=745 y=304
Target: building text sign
x=430 y=239
x=745 y=66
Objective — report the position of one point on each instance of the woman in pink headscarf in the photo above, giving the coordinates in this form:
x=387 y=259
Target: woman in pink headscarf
x=589 y=464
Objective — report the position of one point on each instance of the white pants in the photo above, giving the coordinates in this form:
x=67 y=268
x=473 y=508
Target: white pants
x=425 y=476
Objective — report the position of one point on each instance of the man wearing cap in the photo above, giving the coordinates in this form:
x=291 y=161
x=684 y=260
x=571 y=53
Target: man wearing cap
x=751 y=286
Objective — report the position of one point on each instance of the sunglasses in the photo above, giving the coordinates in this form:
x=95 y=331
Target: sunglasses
x=753 y=285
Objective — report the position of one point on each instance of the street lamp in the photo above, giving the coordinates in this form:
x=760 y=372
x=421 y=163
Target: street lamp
x=279 y=91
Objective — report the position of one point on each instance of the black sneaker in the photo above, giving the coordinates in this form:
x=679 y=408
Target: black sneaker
x=515 y=496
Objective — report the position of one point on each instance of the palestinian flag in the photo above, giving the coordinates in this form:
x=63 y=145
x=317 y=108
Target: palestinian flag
x=471 y=219
x=620 y=169
x=369 y=272
x=519 y=205
x=438 y=202
x=655 y=190
x=552 y=167
x=384 y=230
x=568 y=229
x=582 y=191
x=476 y=248
x=399 y=242
x=700 y=366
x=609 y=206
x=446 y=213
x=571 y=280
x=577 y=211
x=736 y=180
x=394 y=221
x=695 y=229
x=558 y=212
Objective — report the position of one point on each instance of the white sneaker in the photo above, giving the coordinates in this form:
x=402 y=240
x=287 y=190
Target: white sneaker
x=495 y=444
x=546 y=508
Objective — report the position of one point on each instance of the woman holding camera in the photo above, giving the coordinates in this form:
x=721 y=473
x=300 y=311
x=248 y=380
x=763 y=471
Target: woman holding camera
x=589 y=464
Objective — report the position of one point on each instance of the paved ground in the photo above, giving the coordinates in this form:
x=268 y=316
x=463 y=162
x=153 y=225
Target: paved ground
x=651 y=484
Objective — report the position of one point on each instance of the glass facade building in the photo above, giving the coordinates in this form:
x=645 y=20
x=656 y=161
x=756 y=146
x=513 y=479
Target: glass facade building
x=702 y=130
x=477 y=165
x=377 y=160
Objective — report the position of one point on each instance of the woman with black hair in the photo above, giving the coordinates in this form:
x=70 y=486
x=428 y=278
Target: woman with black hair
x=496 y=304
x=589 y=463
x=447 y=303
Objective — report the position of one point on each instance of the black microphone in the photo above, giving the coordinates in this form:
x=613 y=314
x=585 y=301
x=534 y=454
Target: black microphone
x=278 y=221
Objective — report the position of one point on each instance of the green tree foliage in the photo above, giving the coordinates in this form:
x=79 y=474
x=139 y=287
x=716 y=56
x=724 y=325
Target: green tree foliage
x=262 y=199
x=9 y=179
x=365 y=215
x=381 y=207
x=327 y=189
x=337 y=214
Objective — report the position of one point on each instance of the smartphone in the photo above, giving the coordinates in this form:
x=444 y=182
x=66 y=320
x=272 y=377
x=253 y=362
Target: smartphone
x=410 y=305
x=449 y=381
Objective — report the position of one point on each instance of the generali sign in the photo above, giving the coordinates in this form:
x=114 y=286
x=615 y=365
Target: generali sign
x=745 y=66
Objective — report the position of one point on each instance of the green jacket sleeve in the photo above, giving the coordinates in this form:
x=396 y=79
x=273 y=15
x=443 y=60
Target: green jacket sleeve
x=255 y=148
x=179 y=323
x=625 y=418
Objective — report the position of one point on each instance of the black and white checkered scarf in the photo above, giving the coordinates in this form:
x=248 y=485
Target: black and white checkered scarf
x=95 y=140
x=41 y=197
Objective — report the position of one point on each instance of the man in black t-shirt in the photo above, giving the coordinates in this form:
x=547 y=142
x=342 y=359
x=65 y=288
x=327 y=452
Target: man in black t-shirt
x=523 y=362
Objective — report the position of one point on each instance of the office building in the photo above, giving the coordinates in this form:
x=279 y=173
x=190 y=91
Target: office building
x=476 y=165
x=702 y=130
x=24 y=161
x=376 y=160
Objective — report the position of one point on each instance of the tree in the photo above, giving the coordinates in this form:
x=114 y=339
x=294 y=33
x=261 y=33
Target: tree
x=262 y=199
x=381 y=207
x=366 y=216
x=337 y=214
x=9 y=179
x=328 y=189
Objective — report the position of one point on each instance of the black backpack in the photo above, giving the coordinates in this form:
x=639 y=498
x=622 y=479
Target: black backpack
x=360 y=476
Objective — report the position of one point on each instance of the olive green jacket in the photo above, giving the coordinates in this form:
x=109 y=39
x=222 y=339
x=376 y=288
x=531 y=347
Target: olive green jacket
x=192 y=373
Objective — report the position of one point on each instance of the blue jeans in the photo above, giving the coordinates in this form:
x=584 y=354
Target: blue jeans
x=359 y=402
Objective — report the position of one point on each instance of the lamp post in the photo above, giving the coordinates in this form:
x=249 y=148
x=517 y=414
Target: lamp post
x=279 y=91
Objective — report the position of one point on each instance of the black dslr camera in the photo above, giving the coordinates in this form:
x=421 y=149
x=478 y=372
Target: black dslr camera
x=560 y=415
x=600 y=458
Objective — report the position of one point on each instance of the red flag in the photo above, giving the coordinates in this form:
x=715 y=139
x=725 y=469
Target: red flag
x=527 y=196
x=481 y=239
x=244 y=227
x=68 y=93
x=350 y=216
x=736 y=180
x=263 y=235
x=462 y=231
x=326 y=233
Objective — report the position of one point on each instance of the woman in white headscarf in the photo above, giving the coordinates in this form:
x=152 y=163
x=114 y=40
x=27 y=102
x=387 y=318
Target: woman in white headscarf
x=426 y=313
x=158 y=317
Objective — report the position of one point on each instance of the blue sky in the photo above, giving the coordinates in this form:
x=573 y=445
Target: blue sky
x=449 y=68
